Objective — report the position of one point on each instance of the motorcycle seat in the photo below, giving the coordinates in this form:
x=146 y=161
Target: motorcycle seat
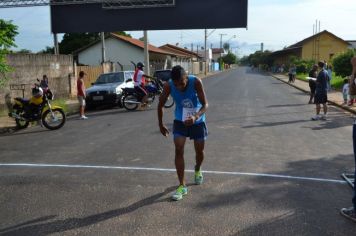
x=22 y=100
x=129 y=90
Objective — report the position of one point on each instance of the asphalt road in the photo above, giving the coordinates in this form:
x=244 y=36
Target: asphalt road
x=257 y=126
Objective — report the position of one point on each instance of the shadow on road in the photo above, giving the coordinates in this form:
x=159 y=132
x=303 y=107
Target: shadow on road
x=271 y=124
x=291 y=207
x=287 y=105
x=74 y=223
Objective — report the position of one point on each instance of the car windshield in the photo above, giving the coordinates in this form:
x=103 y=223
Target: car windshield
x=110 y=78
x=163 y=75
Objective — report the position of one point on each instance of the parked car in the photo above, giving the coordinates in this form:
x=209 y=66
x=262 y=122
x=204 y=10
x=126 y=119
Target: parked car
x=107 y=89
x=163 y=75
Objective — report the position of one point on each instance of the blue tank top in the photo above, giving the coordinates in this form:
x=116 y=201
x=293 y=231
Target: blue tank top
x=187 y=102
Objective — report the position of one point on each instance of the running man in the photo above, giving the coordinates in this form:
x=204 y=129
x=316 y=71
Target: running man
x=189 y=122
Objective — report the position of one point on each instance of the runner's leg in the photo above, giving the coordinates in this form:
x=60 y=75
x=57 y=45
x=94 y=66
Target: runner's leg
x=179 y=143
x=199 y=153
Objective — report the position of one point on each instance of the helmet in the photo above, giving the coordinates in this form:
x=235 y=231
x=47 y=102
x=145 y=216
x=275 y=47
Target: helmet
x=140 y=65
x=37 y=92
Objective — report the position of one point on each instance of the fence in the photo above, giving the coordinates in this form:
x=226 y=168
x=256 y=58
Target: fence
x=92 y=73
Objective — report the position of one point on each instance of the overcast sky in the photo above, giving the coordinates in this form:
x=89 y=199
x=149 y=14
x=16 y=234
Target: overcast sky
x=276 y=23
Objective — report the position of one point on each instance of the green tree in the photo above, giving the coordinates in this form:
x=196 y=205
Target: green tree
x=229 y=58
x=47 y=50
x=341 y=63
x=226 y=46
x=303 y=66
x=8 y=31
x=24 y=51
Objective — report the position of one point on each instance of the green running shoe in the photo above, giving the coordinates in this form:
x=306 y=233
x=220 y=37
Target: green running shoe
x=198 y=177
x=180 y=192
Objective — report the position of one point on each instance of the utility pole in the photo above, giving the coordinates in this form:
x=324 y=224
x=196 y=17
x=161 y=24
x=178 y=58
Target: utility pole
x=146 y=54
x=205 y=60
x=221 y=46
x=103 y=54
x=56 y=46
x=261 y=47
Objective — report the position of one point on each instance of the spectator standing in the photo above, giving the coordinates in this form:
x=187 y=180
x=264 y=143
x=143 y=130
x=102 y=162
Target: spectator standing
x=313 y=73
x=44 y=82
x=292 y=73
x=81 y=95
x=321 y=96
x=345 y=90
x=352 y=91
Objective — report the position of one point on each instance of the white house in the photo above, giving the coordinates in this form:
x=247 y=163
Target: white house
x=121 y=50
x=189 y=60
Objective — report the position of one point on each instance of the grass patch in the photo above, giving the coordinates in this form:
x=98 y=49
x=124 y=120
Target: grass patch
x=336 y=82
x=61 y=103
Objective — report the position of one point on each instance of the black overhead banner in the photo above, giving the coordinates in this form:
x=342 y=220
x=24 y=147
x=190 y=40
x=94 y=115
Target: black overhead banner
x=186 y=14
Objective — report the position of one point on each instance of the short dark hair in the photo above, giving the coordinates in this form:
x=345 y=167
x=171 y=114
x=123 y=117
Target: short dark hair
x=177 y=73
x=81 y=73
x=321 y=64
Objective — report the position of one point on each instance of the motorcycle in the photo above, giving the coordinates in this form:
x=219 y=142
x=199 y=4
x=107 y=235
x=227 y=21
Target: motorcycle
x=131 y=99
x=37 y=108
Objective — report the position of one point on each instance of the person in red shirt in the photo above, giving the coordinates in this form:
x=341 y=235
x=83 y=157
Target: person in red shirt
x=81 y=95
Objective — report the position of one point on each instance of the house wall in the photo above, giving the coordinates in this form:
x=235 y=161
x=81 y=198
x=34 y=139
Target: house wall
x=116 y=51
x=28 y=67
x=326 y=46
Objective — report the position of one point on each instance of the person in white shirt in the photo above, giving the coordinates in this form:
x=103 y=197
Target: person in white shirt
x=345 y=90
x=139 y=80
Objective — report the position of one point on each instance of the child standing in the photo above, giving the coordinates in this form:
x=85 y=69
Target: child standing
x=345 y=90
x=352 y=91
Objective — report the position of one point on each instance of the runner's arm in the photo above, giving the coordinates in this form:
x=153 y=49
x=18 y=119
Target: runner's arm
x=162 y=100
x=202 y=98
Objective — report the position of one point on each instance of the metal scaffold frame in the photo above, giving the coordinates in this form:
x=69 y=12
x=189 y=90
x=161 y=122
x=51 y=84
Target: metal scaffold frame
x=122 y=4
x=107 y=4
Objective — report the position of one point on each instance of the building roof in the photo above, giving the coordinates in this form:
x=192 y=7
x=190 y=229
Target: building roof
x=179 y=51
x=300 y=43
x=352 y=43
x=132 y=41
x=287 y=50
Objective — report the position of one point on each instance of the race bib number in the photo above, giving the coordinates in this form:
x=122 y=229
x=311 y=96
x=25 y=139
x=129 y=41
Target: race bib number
x=188 y=112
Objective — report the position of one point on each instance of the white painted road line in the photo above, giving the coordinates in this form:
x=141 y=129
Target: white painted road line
x=170 y=170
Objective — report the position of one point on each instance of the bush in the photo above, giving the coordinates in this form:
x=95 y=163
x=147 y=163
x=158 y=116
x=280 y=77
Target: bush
x=302 y=67
x=341 y=63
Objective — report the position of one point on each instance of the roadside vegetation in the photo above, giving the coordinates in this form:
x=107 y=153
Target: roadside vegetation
x=341 y=66
x=8 y=31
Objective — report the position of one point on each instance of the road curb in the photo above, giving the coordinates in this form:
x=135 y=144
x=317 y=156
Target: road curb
x=305 y=91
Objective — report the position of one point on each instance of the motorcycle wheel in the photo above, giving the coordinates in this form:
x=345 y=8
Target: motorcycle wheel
x=169 y=103
x=53 y=122
x=130 y=106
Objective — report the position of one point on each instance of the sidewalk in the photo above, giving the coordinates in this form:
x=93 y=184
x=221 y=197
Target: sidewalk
x=334 y=97
x=8 y=124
